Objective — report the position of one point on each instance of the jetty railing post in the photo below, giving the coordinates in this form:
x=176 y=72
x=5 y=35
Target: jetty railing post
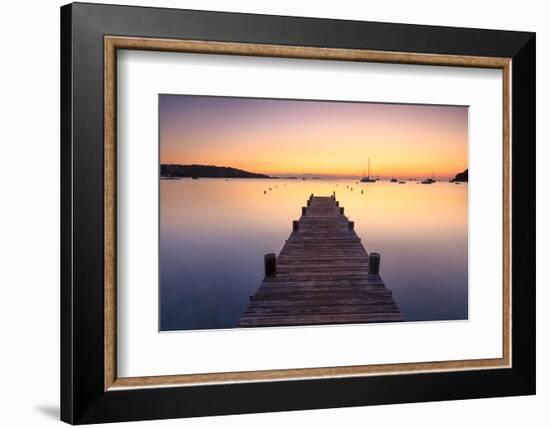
x=374 y=264
x=342 y=210
x=304 y=209
x=351 y=225
x=295 y=225
x=270 y=265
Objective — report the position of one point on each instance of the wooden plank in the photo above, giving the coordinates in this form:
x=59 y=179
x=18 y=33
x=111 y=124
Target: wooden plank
x=308 y=275
x=322 y=277
x=361 y=284
x=312 y=296
x=353 y=300
x=316 y=319
x=321 y=310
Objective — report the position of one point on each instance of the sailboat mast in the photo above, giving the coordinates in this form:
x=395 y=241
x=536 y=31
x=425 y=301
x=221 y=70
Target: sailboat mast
x=369 y=169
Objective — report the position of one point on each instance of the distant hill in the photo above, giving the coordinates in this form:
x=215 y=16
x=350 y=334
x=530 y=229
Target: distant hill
x=206 y=171
x=461 y=176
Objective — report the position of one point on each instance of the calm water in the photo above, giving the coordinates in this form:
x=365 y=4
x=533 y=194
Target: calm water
x=214 y=234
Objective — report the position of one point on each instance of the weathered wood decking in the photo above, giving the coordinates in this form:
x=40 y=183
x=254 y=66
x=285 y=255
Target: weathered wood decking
x=322 y=276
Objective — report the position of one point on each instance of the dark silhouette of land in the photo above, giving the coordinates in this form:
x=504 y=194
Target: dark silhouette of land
x=205 y=171
x=461 y=176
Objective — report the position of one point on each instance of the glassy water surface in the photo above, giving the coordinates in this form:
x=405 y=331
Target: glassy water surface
x=215 y=232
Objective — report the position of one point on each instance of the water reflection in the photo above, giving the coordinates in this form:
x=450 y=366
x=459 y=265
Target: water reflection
x=214 y=233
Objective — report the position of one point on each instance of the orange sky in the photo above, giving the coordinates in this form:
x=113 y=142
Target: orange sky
x=289 y=137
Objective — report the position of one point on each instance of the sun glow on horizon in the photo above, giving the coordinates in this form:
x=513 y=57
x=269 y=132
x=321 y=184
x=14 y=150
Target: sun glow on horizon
x=314 y=138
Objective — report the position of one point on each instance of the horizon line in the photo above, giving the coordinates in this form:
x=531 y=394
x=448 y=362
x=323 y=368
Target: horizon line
x=286 y=174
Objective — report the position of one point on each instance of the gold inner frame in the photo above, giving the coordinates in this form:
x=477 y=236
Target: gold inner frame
x=113 y=43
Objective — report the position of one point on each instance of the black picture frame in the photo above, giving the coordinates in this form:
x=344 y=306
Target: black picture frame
x=83 y=398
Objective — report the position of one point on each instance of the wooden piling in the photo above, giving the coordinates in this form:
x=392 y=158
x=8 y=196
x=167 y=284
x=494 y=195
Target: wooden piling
x=374 y=264
x=270 y=265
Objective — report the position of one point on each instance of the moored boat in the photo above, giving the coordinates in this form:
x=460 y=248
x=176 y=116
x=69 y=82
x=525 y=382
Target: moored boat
x=367 y=179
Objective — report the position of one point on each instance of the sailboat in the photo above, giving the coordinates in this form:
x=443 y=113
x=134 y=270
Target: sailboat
x=367 y=179
x=429 y=180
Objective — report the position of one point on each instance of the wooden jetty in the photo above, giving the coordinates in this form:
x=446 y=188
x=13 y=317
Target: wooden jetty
x=323 y=275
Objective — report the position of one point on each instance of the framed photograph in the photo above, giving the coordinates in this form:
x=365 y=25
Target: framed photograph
x=266 y=213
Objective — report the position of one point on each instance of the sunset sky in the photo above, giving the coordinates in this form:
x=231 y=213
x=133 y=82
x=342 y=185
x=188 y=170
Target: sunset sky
x=324 y=138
